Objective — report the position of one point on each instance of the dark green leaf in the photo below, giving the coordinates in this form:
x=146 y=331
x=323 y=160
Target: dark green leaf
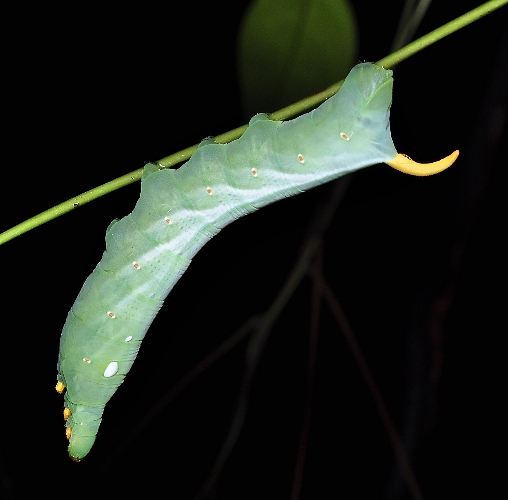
x=289 y=49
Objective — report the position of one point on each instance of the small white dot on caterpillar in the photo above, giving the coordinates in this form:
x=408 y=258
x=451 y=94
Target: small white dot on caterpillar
x=254 y=172
x=209 y=190
x=168 y=220
x=136 y=265
x=111 y=314
x=87 y=361
x=128 y=339
x=111 y=369
x=344 y=136
x=301 y=158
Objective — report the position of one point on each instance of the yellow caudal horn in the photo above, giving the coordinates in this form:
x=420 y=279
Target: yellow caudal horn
x=408 y=166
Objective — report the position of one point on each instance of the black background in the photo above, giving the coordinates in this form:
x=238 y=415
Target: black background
x=95 y=92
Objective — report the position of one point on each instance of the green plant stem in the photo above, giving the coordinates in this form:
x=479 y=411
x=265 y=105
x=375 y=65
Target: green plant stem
x=283 y=114
x=71 y=204
x=396 y=57
x=436 y=35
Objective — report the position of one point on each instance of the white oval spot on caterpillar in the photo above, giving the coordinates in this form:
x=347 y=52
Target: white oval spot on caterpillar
x=136 y=265
x=75 y=204
x=111 y=369
x=209 y=190
x=168 y=220
x=128 y=339
x=344 y=136
x=111 y=314
x=254 y=172
x=87 y=361
x=301 y=158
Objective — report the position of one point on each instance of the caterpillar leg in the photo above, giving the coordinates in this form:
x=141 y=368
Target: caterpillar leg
x=60 y=388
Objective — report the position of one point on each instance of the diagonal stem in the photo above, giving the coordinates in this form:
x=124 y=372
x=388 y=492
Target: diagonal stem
x=395 y=441
x=283 y=114
x=316 y=299
x=312 y=243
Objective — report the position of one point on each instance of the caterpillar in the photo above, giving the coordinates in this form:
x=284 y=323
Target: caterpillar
x=180 y=210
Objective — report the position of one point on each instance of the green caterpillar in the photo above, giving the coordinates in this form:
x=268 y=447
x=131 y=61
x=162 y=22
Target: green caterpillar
x=180 y=210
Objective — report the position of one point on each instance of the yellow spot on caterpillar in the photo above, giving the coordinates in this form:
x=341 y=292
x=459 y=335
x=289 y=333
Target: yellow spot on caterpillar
x=344 y=136
x=68 y=433
x=87 y=361
x=59 y=387
x=209 y=190
x=66 y=413
x=408 y=166
x=168 y=220
x=254 y=172
x=111 y=314
x=136 y=265
x=301 y=159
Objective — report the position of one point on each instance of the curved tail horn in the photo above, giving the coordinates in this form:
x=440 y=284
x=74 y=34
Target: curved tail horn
x=408 y=166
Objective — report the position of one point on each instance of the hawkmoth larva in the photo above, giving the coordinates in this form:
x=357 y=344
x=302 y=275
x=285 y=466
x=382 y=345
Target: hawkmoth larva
x=180 y=210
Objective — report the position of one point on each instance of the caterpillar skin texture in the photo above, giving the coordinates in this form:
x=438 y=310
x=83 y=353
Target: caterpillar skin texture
x=180 y=210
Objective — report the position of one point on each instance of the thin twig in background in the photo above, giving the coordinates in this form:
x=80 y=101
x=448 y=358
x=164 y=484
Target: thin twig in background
x=321 y=220
x=386 y=419
x=182 y=384
x=315 y=316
